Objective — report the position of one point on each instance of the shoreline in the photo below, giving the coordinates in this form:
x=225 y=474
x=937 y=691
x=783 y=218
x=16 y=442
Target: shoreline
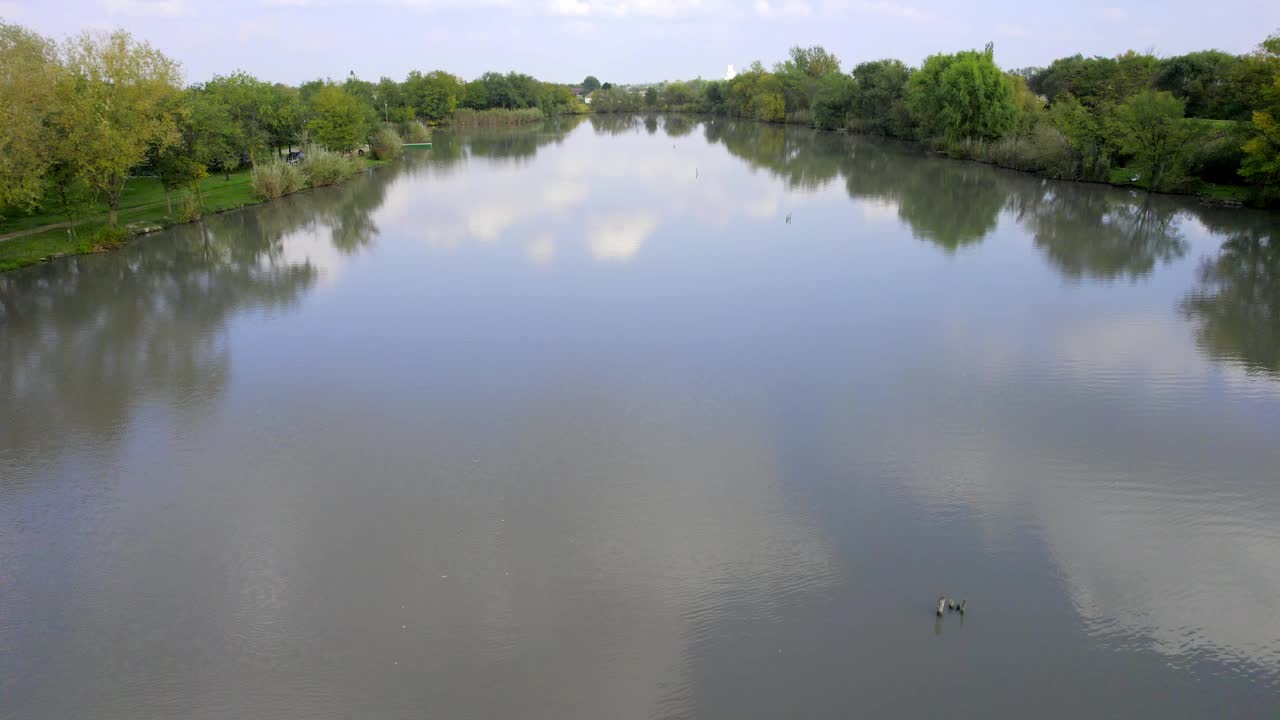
x=87 y=227
x=922 y=145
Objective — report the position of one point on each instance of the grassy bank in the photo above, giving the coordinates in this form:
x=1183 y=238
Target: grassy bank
x=493 y=117
x=142 y=209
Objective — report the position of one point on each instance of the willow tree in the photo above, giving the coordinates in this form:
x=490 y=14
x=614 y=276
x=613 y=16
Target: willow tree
x=963 y=95
x=117 y=100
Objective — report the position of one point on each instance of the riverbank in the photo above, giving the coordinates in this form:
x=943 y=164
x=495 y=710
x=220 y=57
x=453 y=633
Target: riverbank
x=1221 y=194
x=37 y=238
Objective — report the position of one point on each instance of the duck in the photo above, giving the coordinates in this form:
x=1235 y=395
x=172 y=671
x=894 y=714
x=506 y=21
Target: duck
x=942 y=604
x=960 y=606
x=951 y=604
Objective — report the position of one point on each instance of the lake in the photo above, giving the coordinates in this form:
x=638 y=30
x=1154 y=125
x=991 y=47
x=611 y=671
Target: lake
x=650 y=418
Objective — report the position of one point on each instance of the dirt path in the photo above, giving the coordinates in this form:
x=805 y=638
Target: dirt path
x=32 y=231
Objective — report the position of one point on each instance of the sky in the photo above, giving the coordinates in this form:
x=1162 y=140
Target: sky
x=631 y=41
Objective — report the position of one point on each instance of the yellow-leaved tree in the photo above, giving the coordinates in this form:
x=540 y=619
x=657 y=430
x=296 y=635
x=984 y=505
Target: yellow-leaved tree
x=116 y=99
x=27 y=104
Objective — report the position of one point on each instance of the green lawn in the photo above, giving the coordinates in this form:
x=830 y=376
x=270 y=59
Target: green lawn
x=1215 y=124
x=1233 y=193
x=142 y=204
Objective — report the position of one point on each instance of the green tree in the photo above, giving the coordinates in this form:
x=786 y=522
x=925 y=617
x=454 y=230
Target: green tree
x=1199 y=79
x=590 y=83
x=1086 y=132
x=118 y=109
x=1152 y=129
x=651 y=97
x=338 y=119
x=434 y=95
x=814 y=62
x=475 y=95
x=1262 y=151
x=284 y=118
x=834 y=99
x=248 y=101
x=28 y=97
x=1030 y=108
x=676 y=95
x=880 y=103
x=962 y=96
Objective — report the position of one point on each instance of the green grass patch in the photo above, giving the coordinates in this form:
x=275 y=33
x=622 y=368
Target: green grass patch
x=1226 y=125
x=31 y=249
x=1233 y=193
x=1124 y=176
x=142 y=204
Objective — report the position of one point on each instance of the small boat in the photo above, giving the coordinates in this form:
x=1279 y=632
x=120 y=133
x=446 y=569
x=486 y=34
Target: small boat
x=421 y=145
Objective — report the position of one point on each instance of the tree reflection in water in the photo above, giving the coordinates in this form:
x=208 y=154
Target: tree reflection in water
x=1236 y=305
x=1099 y=233
x=85 y=337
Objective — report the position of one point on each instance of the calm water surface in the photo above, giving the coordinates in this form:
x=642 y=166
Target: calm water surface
x=570 y=422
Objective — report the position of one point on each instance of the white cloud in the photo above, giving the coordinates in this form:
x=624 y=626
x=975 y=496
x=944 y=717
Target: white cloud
x=1114 y=14
x=619 y=237
x=148 y=8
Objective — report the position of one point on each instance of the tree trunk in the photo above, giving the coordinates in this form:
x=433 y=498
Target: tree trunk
x=113 y=215
x=168 y=203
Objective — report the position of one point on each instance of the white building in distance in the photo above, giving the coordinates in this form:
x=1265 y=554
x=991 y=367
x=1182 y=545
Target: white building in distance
x=729 y=74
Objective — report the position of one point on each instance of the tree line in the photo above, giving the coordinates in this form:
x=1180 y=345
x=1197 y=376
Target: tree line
x=1174 y=123
x=78 y=118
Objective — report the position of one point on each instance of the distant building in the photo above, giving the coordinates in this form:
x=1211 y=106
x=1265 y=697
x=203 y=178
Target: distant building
x=729 y=74
x=577 y=91
x=589 y=97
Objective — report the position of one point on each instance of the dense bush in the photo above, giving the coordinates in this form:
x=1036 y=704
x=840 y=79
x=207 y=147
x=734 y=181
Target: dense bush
x=109 y=237
x=323 y=167
x=1217 y=159
x=387 y=144
x=275 y=178
x=416 y=132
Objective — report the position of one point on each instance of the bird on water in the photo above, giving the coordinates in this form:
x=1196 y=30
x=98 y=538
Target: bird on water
x=942 y=604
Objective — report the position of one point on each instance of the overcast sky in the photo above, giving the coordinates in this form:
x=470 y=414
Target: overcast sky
x=632 y=40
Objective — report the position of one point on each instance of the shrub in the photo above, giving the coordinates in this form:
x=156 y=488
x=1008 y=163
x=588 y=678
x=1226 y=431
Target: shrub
x=387 y=144
x=416 y=132
x=276 y=178
x=109 y=237
x=1218 y=159
x=190 y=209
x=323 y=167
